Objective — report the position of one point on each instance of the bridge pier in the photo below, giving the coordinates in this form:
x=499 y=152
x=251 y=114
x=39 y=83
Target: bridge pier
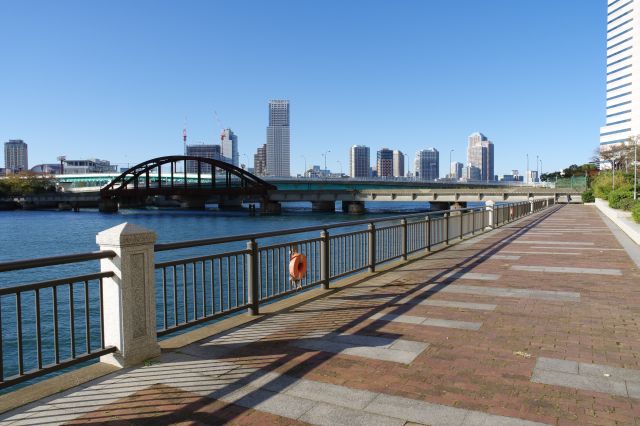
x=323 y=206
x=353 y=207
x=107 y=206
x=230 y=204
x=439 y=205
x=458 y=205
x=192 y=203
x=270 y=208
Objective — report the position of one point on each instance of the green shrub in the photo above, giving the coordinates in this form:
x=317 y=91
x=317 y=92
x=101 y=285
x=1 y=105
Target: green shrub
x=626 y=204
x=601 y=184
x=635 y=212
x=587 y=196
x=617 y=196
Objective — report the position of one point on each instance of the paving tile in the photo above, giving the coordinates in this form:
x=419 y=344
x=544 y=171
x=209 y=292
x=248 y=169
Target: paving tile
x=416 y=411
x=460 y=305
x=559 y=365
x=576 y=381
x=329 y=415
x=567 y=270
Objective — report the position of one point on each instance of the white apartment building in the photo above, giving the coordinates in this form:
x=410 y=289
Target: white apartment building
x=278 y=139
x=623 y=35
x=16 y=157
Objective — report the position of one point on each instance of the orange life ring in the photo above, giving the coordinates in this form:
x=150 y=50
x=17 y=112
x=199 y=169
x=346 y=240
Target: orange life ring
x=297 y=266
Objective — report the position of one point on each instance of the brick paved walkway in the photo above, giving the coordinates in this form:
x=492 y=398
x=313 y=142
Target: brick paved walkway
x=537 y=322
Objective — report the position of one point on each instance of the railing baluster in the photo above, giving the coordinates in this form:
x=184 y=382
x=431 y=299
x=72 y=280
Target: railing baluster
x=38 y=329
x=228 y=283
x=102 y=315
x=175 y=295
x=184 y=293
x=72 y=320
x=194 y=301
x=235 y=262
x=19 y=340
x=164 y=298
x=1 y=345
x=252 y=277
x=56 y=335
x=87 y=323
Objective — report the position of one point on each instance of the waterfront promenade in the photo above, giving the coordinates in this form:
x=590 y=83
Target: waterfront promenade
x=536 y=322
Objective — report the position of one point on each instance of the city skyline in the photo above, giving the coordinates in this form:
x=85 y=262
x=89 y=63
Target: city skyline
x=109 y=104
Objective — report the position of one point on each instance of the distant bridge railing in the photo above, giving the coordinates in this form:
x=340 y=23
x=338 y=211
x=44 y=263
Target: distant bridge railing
x=50 y=325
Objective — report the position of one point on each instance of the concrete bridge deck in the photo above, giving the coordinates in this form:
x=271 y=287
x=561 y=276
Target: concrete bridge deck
x=534 y=323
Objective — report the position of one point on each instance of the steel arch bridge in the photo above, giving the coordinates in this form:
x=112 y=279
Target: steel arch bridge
x=197 y=177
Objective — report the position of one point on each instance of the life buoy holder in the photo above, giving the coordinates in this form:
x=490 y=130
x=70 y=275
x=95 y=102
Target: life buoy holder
x=297 y=266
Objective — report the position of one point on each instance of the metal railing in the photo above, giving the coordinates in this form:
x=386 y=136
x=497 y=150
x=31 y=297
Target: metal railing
x=51 y=325
x=195 y=290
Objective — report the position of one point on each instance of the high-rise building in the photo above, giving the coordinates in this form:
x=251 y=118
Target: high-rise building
x=359 y=161
x=278 y=139
x=229 y=147
x=398 y=163
x=623 y=32
x=260 y=161
x=472 y=173
x=16 y=157
x=384 y=163
x=455 y=170
x=480 y=155
x=428 y=164
x=207 y=151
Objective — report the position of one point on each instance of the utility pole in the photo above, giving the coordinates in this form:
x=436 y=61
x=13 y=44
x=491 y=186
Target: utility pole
x=528 y=169
x=537 y=170
x=325 y=159
x=304 y=173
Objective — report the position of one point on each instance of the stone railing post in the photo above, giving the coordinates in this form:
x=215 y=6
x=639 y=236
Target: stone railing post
x=129 y=297
x=532 y=208
x=489 y=208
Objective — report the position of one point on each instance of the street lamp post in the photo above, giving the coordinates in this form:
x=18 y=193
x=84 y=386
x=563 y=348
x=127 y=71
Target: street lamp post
x=613 y=174
x=325 y=159
x=528 y=169
x=635 y=169
x=340 y=164
x=304 y=173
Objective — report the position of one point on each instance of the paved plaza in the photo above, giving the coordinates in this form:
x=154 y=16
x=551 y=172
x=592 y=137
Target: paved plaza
x=537 y=322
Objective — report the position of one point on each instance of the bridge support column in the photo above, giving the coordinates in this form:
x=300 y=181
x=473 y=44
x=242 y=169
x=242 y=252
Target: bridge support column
x=129 y=295
x=439 y=205
x=108 y=206
x=323 y=206
x=458 y=205
x=192 y=203
x=353 y=207
x=270 y=208
x=230 y=204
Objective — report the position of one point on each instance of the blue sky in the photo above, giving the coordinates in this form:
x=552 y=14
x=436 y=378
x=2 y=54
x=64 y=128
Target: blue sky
x=115 y=80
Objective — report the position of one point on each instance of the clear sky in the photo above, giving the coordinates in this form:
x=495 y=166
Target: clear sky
x=116 y=79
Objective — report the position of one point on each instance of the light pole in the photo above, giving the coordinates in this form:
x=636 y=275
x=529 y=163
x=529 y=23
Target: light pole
x=635 y=169
x=528 y=170
x=340 y=164
x=537 y=170
x=613 y=173
x=304 y=173
x=325 y=159
x=450 y=174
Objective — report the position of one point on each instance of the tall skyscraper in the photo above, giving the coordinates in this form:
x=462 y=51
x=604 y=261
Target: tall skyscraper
x=384 y=163
x=278 y=139
x=260 y=161
x=229 y=147
x=428 y=164
x=398 y=163
x=207 y=151
x=359 y=162
x=16 y=157
x=480 y=155
x=622 y=120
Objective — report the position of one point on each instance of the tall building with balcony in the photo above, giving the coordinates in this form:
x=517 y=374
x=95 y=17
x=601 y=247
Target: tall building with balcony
x=229 y=147
x=359 y=161
x=480 y=155
x=398 y=163
x=623 y=31
x=260 y=161
x=278 y=139
x=16 y=158
x=384 y=163
x=427 y=164
x=207 y=151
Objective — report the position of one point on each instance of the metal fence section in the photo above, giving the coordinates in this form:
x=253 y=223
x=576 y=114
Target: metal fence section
x=49 y=325
x=53 y=324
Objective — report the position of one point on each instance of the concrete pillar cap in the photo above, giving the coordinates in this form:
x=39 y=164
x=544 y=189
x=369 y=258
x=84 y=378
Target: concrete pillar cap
x=126 y=234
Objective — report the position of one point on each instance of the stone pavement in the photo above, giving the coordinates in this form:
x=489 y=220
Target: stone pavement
x=535 y=323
